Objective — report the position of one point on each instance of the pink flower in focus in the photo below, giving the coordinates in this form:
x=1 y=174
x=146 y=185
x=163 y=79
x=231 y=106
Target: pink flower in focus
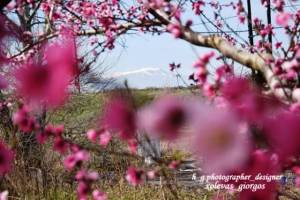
x=119 y=117
x=6 y=159
x=220 y=142
x=99 y=195
x=283 y=19
x=166 y=117
x=134 y=176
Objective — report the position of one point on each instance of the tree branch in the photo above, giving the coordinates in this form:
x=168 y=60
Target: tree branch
x=256 y=61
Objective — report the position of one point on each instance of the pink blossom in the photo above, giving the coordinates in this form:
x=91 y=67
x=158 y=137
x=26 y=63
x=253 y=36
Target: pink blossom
x=60 y=145
x=197 y=6
x=23 y=120
x=175 y=30
x=250 y=105
x=263 y=163
x=85 y=179
x=151 y=174
x=83 y=190
x=132 y=144
x=296 y=170
x=99 y=195
x=42 y=137
x=222 y=71
x=209 y=90
x=47 y=82
x=297 y=182
x=3 y=82
x=92 y=135
x=4 y=195
x=283 y=134
x=104 y=138
x=283 y=18
x=134 y=176
x=76 y=159
x=86 y=176
x=204 y=59
x=42 y=84
x=278 y=45
x=119 y=117
x=220 y=141
x=166 y=117
x=156 y=4
x=174 y=164
x=6 y=158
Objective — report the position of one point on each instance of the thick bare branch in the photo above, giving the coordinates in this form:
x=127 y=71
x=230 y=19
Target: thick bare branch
x=256 y=61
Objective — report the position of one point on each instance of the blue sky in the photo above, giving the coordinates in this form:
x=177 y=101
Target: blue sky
x=146 y=53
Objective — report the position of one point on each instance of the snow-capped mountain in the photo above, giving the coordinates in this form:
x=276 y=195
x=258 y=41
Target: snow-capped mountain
x=147 y=77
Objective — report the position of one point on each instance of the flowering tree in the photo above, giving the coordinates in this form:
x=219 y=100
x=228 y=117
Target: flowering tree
x=244 y=125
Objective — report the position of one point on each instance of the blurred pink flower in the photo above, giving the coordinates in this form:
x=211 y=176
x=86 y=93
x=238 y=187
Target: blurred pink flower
x=99 y=195
x=6 y=158
x=23 y=120
x=250 y=105
x=92 y=135
x=83 y=190
x=4 y=195
x=133 y=145
x=104 y=138
x=283 y=18
x=297 y=182
x=87 y=176
x=261 y=163
x=47 y=82
x=76 y=159
x=175 y=29
x=166 y=117
x=3 y=82
x=60 y=145
x=283 y=134
x=119 y=117
x=173 y=164
x=49 y=130
x=42 y=84
x=134 y=176
x=151 y=174
x=220 y=141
